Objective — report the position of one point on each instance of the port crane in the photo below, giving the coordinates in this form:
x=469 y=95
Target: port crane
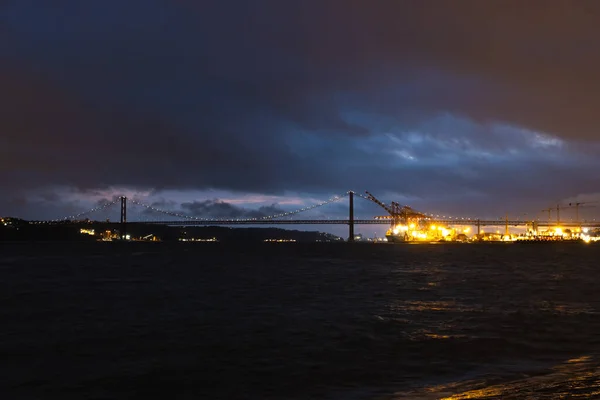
x=577 y=205
x=582 y=204
x=398 y=212
x=549 y=212
x=550 y=209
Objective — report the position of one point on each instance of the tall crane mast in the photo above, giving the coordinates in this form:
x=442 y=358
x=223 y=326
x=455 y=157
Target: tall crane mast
x=550 y=209
x=576 y=205
x=549 y=212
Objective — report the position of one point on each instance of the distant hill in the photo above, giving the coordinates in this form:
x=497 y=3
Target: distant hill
x=12 y=229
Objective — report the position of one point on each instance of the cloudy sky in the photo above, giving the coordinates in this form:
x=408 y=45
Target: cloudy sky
x=464 y=108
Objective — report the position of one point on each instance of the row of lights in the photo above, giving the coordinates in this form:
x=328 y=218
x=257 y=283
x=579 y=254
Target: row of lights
x=174 y=214
x=102 y=207
x=171 y=213
x=285 y=214
x=333 y=199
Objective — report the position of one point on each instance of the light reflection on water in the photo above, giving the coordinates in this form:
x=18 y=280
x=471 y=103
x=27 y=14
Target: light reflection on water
x=411 y=306
x=575 y=378
x=300 y=322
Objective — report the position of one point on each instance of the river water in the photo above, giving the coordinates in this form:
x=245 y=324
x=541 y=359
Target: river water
x=299 y=321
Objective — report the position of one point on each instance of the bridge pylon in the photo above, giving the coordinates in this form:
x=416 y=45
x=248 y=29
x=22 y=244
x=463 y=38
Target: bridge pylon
x=351 y=216
x=123 y=217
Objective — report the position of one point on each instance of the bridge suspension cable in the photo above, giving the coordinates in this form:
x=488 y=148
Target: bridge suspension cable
x=273 y=216
x=285 y=214
x=92 y=210
x=158 y=210
x=268 y=217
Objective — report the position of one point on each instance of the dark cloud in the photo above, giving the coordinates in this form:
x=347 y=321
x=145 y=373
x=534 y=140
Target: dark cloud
x=221 y=209
x=433 y=101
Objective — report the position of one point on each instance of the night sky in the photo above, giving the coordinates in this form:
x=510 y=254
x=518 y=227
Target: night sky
x=464 y=108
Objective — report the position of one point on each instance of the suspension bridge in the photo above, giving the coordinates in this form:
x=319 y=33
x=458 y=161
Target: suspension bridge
x=396 y=214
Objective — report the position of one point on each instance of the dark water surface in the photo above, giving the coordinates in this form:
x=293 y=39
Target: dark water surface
x=295 y=321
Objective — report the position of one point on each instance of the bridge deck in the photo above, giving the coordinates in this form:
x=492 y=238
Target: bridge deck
x=365 y=222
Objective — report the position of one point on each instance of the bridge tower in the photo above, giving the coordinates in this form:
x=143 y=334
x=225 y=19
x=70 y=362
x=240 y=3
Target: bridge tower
x=351 y=217
x=123 y=217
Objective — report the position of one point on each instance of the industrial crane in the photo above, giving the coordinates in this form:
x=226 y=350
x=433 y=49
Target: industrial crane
x=390 y=210
x=397 y=212
x=549 y=212
x=558 y=213
x=558 y=207
x=576 y=205
x=379 y=203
